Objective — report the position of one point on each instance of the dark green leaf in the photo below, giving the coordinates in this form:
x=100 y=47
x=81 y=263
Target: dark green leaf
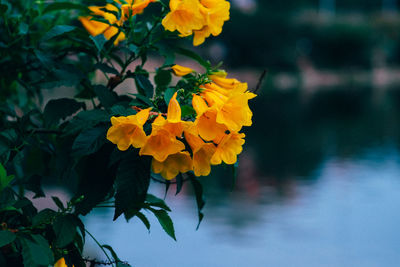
x=105 y=68
x=179 y=183
x=168 y=95
x=144 y=85
x=5 y=179
x=65 y=229
x=157 y=202
x=58 y=202
x=6 y=237
x=63 y=6
x=58 y=109
x=165 y=221
x=163 y=78
x=44 y=217
x=23 y=28
x=107 y=98
x=132 y=183
x=144 y=219
x=86 y=120
x=119 y=110
x=95 y=179
x=89 y=141
x=99 y=41
x=144 y=99
x=198 y=190
x=57 y=31
x=36 y=251
x=113 y=254
x=187 y=111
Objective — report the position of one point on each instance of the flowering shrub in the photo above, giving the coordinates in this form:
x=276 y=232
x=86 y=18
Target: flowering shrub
x=104 y=146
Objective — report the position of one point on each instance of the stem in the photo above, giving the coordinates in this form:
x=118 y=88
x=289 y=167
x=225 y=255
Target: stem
x=100 y=246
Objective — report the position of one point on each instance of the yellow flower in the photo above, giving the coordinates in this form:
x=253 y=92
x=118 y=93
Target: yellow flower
x=161 y=144
x=61 y=263
x=174 y=164
x=202 y=153
x=216 y=12
x=181 y=70
x=127 y=131
x=206 y=123
x=96 y=27
x=235 y=113
x=230 y=145
x=185 y=16
x=135 y=7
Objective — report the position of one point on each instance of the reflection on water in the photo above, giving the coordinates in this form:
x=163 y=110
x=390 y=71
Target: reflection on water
x=318 y=185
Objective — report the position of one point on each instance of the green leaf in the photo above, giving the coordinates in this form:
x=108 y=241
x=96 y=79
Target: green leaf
x=85 y=120
x=36 y=251
x=144 y=99
x=105 y=68
x=198 y=190
x=63 y=6
x=193 y=55
x=6 y=237
x=187 y=111
x=5 y=179
x=165 y=221
x=162 y=78
x=168 y=94
x=45 y=216
x=23 y=28
x=96 y=179
x=58 y=109
x=144 y=85
x=144 y=219
x=113 y=254
x=119 y=110
x=107 y=98
x=157 y=202
x=99 y=41
x=57 y=31
x=65 y=229
x=89 y=141
x=132 y=183
x=58 y=203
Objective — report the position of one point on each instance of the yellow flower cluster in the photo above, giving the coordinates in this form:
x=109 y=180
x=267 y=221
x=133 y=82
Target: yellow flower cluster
x=198 y=17
x=131 y=8
x=212 y=138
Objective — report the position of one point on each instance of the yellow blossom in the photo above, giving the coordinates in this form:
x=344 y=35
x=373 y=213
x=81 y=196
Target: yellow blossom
x=202 y=153
x=181 y=70
x=206 y=123
x=216 y=12
x=135 y=7
x=127 y=131
x=174 y=164
x=185 y=16
x=161 y=144
x=230 y=145
x=61 y=263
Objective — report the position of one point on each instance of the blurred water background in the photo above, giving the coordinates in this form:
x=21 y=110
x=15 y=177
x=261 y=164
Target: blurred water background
x=319 y=178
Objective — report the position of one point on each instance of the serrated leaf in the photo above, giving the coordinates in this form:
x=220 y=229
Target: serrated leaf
x=165 y=221
x=132 y=183
x=6 y=237
x=89 y=141
x=157 y=202
x=65 y=229
x=58 y=109
x=144 y=220
x=57 y=31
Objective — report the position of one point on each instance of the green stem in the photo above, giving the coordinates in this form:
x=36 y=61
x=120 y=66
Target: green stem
x=100 y=246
